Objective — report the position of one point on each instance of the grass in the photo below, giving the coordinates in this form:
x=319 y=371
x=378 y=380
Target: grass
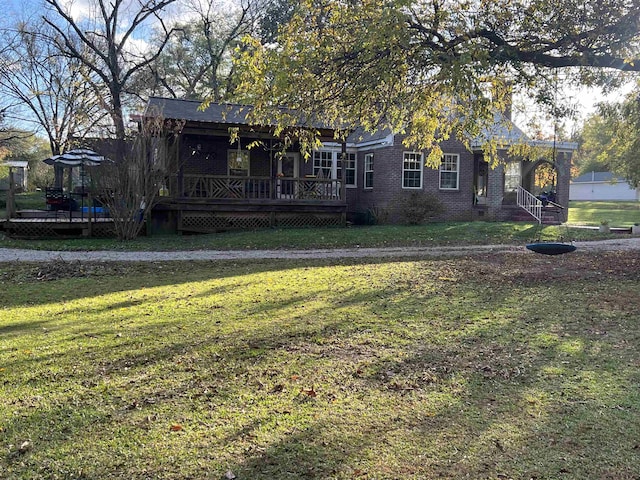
x=28 y=200
x=618 y=214
x=435 y=234
x=510 y=366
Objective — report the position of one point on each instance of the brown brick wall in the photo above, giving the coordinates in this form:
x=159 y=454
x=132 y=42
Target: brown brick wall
x=387 y=193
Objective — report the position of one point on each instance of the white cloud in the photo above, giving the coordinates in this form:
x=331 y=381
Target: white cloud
x=78 y=9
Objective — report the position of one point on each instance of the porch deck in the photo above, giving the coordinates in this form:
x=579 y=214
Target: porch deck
x=211 y=203
x=45 y=224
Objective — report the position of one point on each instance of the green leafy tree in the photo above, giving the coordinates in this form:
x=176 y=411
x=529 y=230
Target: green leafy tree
x=274 y=15
x=595 y=139
x=23 y=145
x=621 y=151
x=430 y=69
x=610 y=139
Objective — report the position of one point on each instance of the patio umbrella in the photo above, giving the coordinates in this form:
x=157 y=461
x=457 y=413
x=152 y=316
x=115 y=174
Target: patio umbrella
x=78 y=157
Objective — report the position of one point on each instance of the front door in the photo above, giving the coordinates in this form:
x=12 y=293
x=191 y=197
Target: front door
x=288 y=172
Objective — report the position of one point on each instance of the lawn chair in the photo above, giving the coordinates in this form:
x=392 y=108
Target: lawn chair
x=55 y=199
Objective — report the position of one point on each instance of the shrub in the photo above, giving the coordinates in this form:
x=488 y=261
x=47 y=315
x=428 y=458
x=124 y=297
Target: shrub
x=417 y=208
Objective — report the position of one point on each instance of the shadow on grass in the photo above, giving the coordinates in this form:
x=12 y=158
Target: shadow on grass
x=520 y=407
x=475 y=369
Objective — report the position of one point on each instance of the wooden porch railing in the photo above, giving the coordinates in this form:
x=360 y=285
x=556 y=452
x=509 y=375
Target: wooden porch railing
x=239 y=188
x=530 y=203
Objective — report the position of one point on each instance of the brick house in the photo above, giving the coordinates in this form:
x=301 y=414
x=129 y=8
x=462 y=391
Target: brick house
x=251 y=183
x=467 y=186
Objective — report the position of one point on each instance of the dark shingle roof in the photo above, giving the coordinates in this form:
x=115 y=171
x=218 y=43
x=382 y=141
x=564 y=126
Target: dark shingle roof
x=189 y=110
x=360 y=135
x=215 y=113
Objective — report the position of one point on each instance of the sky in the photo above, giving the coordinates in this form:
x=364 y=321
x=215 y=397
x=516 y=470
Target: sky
x=585 y=100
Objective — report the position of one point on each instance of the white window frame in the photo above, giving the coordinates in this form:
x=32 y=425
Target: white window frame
x=331 y=160
x=324 y=160
x=416 y=160
x=350 y=163
x=512 y=176
x=368 y=169
x=450 y=164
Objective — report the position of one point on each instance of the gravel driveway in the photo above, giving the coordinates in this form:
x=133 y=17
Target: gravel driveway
x=21 y=255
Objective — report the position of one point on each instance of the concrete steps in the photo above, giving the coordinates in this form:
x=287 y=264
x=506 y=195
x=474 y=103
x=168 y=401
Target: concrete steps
x=550 y=216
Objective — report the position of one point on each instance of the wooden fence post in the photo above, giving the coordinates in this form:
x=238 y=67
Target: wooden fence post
x=11 y=199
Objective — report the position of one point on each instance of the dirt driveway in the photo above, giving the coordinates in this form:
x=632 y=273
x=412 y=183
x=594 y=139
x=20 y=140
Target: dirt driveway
x=21 y=255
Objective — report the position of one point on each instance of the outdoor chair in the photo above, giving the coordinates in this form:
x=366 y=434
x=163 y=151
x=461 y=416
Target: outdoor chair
x=55 y=199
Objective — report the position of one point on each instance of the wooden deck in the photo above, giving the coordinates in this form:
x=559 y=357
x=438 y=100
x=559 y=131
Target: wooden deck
x=214 y=203
x=57 y=224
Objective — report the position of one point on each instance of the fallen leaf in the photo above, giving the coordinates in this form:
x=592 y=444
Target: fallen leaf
x=309 y=392
x=176 y=428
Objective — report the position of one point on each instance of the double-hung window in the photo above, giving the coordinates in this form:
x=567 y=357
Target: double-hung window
x=349 y=169
x=512 y=176
x=412 y=170
x=368 y=170
x=323 y=163
x=450 y=171
x=328 y=164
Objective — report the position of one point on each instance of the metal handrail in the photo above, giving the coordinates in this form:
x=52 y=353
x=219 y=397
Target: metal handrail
x=529 y=202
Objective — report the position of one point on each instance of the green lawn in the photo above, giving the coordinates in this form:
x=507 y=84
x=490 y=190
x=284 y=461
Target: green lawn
x=501 y=366
x=618 y=214
x=434 y=234
x=28 y=200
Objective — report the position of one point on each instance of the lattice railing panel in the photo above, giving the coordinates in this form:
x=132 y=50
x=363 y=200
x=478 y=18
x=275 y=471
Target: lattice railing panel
x=203 y=222
x=310 y=220
x=228 y=187
x=216 y=222
x=58 y=229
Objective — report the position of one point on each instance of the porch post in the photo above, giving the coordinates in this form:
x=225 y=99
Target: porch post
x=178 y=170
x=495 y=191
x=58 y=175
x=343 y=186
x=272 y=177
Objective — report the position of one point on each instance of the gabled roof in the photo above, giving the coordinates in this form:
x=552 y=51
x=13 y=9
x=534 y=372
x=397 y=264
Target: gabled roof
x=16 y=163
x=361 y=137
x=506 y=132
x=503 y=129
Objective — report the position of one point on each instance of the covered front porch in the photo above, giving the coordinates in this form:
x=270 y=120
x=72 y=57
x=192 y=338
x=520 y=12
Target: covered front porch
x=227 y=174
x=525 y=188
